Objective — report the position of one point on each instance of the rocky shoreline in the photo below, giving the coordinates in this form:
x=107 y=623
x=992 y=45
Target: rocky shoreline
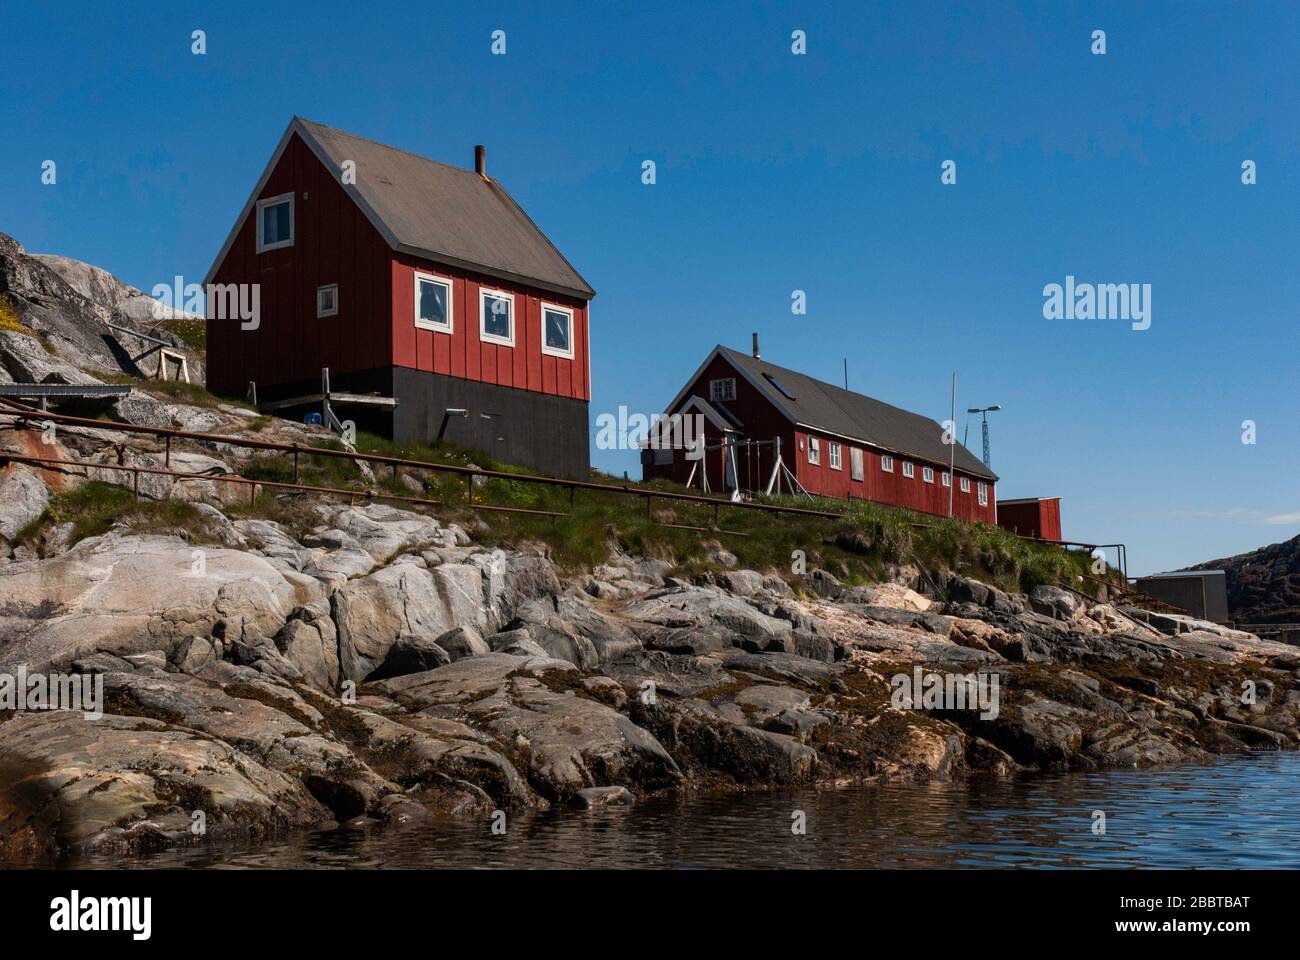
x=385 y=668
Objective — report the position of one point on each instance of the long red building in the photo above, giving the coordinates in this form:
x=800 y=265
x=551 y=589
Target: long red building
x=834 y=442
x=410 y=279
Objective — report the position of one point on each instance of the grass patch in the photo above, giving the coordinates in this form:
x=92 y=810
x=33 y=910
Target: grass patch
x=191 y=331
x=95 y=507
x=859 y=547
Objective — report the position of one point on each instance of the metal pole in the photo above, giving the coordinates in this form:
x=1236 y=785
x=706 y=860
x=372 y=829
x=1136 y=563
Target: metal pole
x=986 y=440
x=952 y=447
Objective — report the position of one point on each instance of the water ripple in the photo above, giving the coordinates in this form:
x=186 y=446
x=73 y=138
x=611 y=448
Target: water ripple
x=1237 y=812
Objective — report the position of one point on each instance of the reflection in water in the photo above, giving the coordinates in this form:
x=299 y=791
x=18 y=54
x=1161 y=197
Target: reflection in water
x=1237 y=812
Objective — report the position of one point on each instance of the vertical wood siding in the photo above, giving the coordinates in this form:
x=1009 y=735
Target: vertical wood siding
x=333 y=243
x=463 y=353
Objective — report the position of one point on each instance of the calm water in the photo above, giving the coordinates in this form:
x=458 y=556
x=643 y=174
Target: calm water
x=1238 y=812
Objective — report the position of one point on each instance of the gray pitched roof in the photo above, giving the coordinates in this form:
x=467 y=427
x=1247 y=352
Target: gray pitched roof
x=438 y=212
x=832 y=409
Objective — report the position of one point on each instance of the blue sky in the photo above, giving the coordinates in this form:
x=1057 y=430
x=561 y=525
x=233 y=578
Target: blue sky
x=778 y=172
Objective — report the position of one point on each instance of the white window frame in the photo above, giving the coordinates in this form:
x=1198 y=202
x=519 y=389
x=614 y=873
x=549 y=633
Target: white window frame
x=909 y=469
x=965 y=484
x=886 y=463
x=814 y=450
x=271 y=202
x=568 y=312
x=837 y=462
x=483 y=335
x=947 y=479
x=855 y=464
x=420 y=322
x=333 y=311
x=983 y=493
x=927 y=474
x=722 y=381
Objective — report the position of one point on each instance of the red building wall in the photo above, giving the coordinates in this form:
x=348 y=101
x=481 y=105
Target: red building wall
x=463 y=354
x=1032 y=518
x=762 y=421
x=893 y=488
x=333 y=243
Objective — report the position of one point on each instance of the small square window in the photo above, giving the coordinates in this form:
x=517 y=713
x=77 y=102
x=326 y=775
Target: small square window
x=433 y=303
x=947 y=479
x=835 y=456
x=909 y=469
x=927 y=474
x=965 y=484
x=557 y=331
x=855 y=463
x=327 y=300
x=497 y=317
x=886 y=463
x=275 y=222
x=722 y=389
x=814 y=450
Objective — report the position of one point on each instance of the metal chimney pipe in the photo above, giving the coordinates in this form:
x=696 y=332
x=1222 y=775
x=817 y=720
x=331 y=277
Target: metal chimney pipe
x=480 y=160
x=756 y=356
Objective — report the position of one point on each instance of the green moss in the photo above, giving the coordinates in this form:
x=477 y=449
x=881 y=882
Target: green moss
x=9 y=318
x=191 y=331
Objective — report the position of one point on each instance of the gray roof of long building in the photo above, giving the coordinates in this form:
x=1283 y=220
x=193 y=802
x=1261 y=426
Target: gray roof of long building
x=826 y=407
x=439 y=212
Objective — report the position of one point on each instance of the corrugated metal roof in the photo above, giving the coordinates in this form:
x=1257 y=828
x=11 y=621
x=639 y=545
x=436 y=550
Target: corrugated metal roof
x=833 y=409
x=443 y=212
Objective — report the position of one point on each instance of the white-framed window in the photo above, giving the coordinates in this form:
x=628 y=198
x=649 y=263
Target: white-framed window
x=275 y=222
x=984 y=494
x=855 y=463
x=927 y=474
x=886 y=463
x=557 y=331
x=724 y=389
x=433 y=305
x=947 y=479
x=814 y=450
x=965 y=484
x=496 y=317
x=835 y=456
x=909 y=469
x=327 y=300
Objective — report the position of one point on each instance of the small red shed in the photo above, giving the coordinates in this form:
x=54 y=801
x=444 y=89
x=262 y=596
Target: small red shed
x=1032 y=517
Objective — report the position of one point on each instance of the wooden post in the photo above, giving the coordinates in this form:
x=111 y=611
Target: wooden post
x=169 y=451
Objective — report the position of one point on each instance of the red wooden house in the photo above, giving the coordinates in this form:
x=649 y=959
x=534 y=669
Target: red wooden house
x=835 y=442
x=410 y=279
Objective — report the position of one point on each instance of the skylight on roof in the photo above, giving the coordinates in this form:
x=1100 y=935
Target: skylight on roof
x=777 y=383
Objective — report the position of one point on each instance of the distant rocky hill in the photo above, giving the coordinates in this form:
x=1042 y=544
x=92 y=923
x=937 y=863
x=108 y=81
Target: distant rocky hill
x=55 y=312
x=1263 y=585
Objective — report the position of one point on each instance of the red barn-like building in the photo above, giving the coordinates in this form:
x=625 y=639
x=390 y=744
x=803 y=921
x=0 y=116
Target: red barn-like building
x=411 y=279
x=1032 y=517
x=835 y=442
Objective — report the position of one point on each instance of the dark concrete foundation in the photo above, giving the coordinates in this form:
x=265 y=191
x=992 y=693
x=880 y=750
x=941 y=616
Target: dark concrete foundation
x=534 y=430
